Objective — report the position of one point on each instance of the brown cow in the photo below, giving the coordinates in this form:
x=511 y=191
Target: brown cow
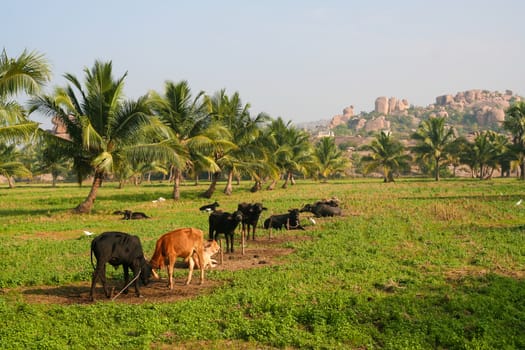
x=180 y=243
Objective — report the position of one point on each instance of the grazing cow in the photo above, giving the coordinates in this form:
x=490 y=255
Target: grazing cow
x=322 y=209
x=251 y=212
x=226 y=223
x=137 y=215
x=118 y=248
x=210 y=207
x=180 y=243
x=210 y=249
x=289 y=221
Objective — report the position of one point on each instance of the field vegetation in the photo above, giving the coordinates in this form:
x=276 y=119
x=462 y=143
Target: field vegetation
x=415 y=264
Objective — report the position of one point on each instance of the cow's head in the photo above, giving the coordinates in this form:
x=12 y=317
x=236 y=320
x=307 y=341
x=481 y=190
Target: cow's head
x=212 y=247
x=237 y=216
x=146 y=271
x=307 y=207
x=258 y=208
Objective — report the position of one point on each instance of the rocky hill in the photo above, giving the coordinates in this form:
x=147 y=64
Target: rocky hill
x=467 y=111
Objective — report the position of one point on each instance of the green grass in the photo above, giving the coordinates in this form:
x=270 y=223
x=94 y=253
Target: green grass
x=413 y=265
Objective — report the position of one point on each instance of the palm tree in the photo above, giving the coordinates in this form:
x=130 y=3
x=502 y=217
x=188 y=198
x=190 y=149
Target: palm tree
x=515 y=123
x=226 y=111
x=433 y=139
x=386 y=153
x=102 y=126
x=185 y=117
x=24 y=74
x=330 y=159
x=10 y=166
x=484 y=154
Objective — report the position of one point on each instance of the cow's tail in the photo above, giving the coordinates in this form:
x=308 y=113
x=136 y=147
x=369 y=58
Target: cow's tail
x=92 y=256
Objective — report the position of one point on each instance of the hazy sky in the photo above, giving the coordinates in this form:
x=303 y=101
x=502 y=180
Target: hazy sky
x=298 y=59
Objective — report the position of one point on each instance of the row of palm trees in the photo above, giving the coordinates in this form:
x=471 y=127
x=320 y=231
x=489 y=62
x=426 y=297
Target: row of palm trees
x=438 y=146
x=184 y=134
x=174 y=131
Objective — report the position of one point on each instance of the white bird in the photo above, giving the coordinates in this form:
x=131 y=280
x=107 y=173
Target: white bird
x=154 y=201
x=87 y=233
x=161 y=199
x=312 y=220
x=519 y=202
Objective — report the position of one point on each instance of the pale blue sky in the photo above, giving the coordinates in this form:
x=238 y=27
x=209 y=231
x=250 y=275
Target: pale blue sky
x=298 y=59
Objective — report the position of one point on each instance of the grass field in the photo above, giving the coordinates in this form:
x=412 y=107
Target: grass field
x=412 y=265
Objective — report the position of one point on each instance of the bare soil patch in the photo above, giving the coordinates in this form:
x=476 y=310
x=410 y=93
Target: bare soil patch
x=263 y=252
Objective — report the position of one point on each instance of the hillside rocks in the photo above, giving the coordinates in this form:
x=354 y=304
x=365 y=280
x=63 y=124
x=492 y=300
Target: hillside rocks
x=390 y=105
x=485 y=108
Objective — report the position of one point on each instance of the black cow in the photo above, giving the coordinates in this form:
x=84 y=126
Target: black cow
x=226 y=223
x=118 y=248
x=290 y=221
x=209 y=207
x=251 y=212
x=321 y=209
x=137 y=215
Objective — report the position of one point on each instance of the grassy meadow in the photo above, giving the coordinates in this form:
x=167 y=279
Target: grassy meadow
x=412 y=265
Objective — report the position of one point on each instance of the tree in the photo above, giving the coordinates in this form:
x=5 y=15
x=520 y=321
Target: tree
x=386 y=153
x=102 y=126
x=433 y=139
x=485 y=153
x=330 y=159
x=25 y=74
x=515 y=123
x=185 y=117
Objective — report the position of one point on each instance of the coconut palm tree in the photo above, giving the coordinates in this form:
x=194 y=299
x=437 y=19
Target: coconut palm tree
x=386 y=153
x=101 y=125
x=515 y=123
x=433 y=139
x=186 y=118
x=25 y=74
x=330 y=159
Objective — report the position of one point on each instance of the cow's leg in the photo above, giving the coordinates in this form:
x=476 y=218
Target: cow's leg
x=171 y=265
x=96 y=272
x=191 y=262
x=231 y=242
x=102 y=275
x=253 y=232
x=136 y=271
x=200 y=254
x=126 y=277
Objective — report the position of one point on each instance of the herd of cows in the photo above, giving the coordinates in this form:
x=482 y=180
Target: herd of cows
x=119 y=248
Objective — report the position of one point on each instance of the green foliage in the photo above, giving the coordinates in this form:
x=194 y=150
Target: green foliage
x=414 y=265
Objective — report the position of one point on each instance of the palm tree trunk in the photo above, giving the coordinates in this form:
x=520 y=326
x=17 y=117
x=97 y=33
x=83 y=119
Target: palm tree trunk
x=10 y=182
x=87 y=204
x=522 y=170
x=437 y=169
x=213 y=185
x=285 y=184
x=229 y=184
x=176 y=183
x=256 y=186
x=271 y=186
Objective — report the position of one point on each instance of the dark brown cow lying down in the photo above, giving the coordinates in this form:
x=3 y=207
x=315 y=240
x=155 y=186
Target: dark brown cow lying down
x=181 y=243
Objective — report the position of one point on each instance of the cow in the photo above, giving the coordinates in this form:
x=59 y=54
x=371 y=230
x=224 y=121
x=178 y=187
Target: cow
x=251 y=212
x=118 y=248
x=179 y=243
x=226 y=223
x=322 y=209
x=210 y=207
x=137 y=215
x=211 y=247
x=289 y=221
